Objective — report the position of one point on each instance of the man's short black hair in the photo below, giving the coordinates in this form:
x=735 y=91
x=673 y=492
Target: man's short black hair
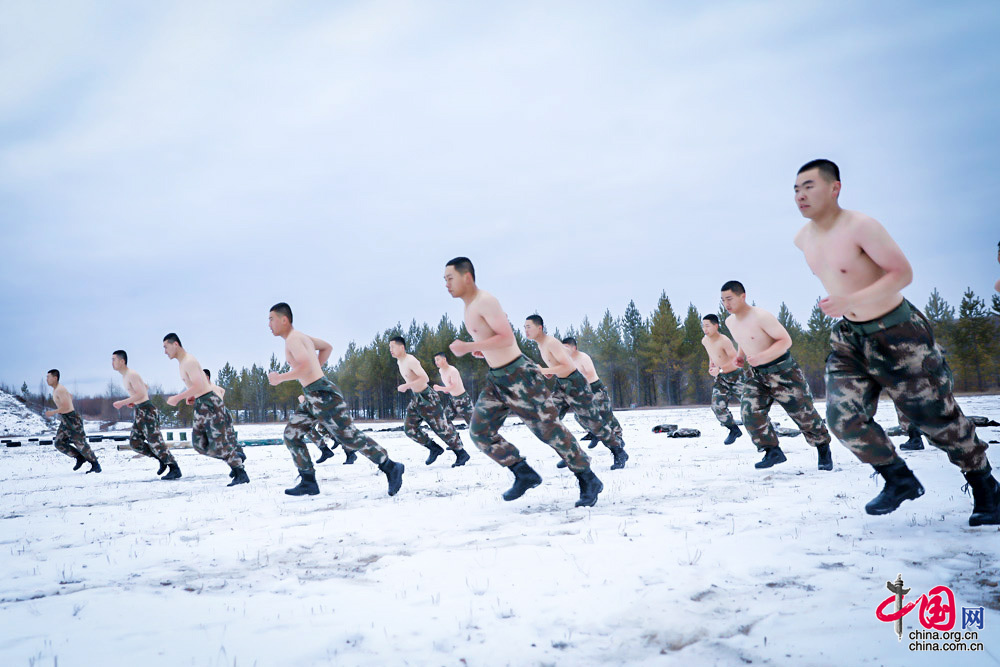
x=734 y=286
x=172 y=338
x=713 y=318
x=56 y=373
x=282 y=309
x=537 y=319
x=827 y=168
x=463 y=265
x=208 y=373
x=569 y=340
x=121 y=354
x=398 y=339
x=442 y=354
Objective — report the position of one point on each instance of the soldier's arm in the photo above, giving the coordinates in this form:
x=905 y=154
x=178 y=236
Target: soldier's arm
x=299 y=354
x=496 y=319
x=563 y=364
x=195 y=380
x=132 y=386
x=323 y=349
x=772 y=327
x=587 y=365
x=875 y=242
x=420 y=375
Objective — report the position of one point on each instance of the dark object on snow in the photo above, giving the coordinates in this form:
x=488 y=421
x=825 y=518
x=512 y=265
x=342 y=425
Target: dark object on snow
x=685 y=433
x=390 y=429
x=983 y=421
x=734 y=432
x=524 y=478
x=664 y=428
x=787 y=432
x=900 y=485
x=307 y=485
x=914 y=443
x=986 y=496
x=772 y=457
x=590 y=436
x=590 y=486
x=895 y=431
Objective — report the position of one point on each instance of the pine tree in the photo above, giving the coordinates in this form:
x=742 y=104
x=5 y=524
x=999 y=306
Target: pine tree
x=974 y=339
x=660 y=350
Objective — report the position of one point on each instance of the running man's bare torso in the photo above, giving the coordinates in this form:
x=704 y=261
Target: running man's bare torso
x=480 y=330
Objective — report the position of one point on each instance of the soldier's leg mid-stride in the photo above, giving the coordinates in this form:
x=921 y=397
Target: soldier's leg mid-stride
x=71 y=440
x=210 y=438
x=897 y=354
x=425 y=406
x=146 y=439
x=727 y=387
x=578 y=396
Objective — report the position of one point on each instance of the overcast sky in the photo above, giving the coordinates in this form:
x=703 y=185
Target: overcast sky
x=183 y=166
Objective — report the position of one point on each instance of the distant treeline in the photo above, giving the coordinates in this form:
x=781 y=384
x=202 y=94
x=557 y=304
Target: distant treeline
x=645 y=361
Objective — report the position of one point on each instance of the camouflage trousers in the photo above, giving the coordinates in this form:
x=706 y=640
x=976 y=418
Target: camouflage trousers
x=603 y=398
x=145 y=437
x=727 y=387
x=325 y=406
x=780 y=381
x=574 y=393
x=70 y=438
x=457 y=407
x=519 y=387
x=426 y=407
x=231 y=432
x=209 y=435
x=905 y=424
x=896 y=354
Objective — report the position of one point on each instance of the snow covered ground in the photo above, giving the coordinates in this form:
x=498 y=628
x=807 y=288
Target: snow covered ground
x=691 y=557
x=16 y=419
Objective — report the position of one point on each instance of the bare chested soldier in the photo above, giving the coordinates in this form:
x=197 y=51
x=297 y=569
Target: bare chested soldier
x=573 y=390
x=424 y=406
x=208 y=436
x=728 y=376
x=454 y=397
x=585 y=365
x=513 y=384
x=324 y=405
x=70 y=438
x=145 y=437
x=772 y=375
x=230 y=426
x=882 y=343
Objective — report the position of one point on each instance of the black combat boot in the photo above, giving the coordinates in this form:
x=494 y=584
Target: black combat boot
x=239 y=477
x=394 y=473
x=914 y=443
x=79 y=462
x=824 y=458
x=524 y=478
x=436 y=451
x=772 y=457
x=175 y=472
x=307 y=486
x=594 y=442
x=734 y=432
x=985 y=497
x=239 y=453
x=325 y=453
x=900 y=485
x=351 y=457
x=621 y=456
x=163 y=468
x=94 y=467
x=461 y=458
x=590 y=486
x=561 y=464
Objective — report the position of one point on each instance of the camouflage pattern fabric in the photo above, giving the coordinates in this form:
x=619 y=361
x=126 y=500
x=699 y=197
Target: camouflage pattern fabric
x=903 y=360
x=209 y=436
x=905 y=425
x=145 y=437
x=780 y=381
x=520 y=387
x=458 y=406
x=70 y=438
x=325 y=406
x=425 y=407
x=231 y=431
x=578 y=396
x=603 y=397
x=727 y=387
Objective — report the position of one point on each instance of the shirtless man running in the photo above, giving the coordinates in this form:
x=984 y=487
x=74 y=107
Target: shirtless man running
x=573 y=390
x=728 y=375
x=513 y=384
x=324 y=404
x=882 y=343
x=145 y=437
x=70 y=438
x=208 y=436
x=772 y=375
x=424 y=406
x=585 y=365
x=453 y=389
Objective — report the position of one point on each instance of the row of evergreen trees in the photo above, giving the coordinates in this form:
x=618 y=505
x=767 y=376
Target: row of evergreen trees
x=645 y=361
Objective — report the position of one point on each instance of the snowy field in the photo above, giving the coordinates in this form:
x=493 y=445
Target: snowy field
x=691 y=557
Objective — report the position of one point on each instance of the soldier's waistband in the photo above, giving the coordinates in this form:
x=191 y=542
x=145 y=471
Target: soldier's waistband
x=206 y=397
x=596 y=385
x=68 y=415
x=509 y=368
x=784 y=362
x=464 y=394
x=145 y=404
x=426 y=393
x=894 y=317
x=574 y=378
x=322 y=383
x=733 y=375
